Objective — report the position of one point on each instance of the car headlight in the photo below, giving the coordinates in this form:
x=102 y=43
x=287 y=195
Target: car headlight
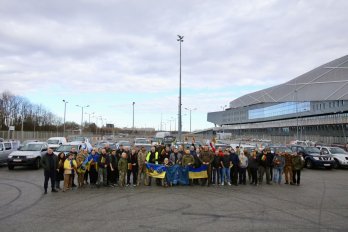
x=9 y=156
x=316 y=158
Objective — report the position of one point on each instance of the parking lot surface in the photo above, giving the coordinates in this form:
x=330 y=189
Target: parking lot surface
x=319 y=204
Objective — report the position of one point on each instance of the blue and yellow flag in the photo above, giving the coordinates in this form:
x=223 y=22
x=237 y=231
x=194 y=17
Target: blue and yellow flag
x=198 y=173
x=156 y=170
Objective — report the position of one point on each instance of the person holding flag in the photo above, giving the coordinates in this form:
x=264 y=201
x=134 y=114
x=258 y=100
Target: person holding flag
x=152 y=158
x=70 y=167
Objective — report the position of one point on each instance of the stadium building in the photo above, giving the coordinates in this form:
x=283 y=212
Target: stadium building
x=313 y=106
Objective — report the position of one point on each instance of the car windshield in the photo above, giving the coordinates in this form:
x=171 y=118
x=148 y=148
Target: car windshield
x=124 y=143
x=141 y=141
x=337 y=150
x=283 y=149
x=80 y=139
x=31 y=147
x=312 y=150
x=53 y=141
x=66 y=148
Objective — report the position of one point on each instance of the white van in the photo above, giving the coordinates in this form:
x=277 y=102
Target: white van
x=55 y=142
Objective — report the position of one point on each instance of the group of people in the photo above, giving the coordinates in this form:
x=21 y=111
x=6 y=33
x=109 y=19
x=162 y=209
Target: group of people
x=125 y=166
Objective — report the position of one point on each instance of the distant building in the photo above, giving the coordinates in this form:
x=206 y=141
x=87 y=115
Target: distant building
x=110 y=125
x=312 y=106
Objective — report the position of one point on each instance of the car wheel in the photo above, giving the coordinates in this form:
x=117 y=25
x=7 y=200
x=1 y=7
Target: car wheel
x=309 y=164
x=37 y=164
x=336 y=164
x=10 y=167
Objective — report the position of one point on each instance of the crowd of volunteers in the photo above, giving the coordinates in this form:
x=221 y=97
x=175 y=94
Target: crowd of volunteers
x=126 y=166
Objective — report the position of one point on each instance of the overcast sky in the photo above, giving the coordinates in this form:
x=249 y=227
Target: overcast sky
x=107 y=54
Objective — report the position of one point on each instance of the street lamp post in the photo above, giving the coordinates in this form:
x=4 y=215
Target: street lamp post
x=180 y=39
x=82 y=116
x=296 y=115
x=65 y=102
x=190 y=109
x=133 y=115
x=174 y=120
x=89 y=117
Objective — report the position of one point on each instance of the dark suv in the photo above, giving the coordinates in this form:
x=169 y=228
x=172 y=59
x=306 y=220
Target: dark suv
x=313 y=158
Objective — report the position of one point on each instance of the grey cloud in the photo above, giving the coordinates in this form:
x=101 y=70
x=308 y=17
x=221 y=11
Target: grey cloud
x=226 y=43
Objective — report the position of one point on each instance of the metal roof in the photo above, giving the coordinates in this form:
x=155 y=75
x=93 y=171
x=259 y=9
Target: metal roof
x=327 y=82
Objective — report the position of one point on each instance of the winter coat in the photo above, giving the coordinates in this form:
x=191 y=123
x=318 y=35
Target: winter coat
x=243 y=161
x=216 y=162
x=297 y=162
x=103 y=160
x=235 y=159
x=187 y=159
x=253 y=162
x=49 y=162
x=123 y=165
x=69 y=166
x=206 y=157
x=175 y=157
x=141 y=158
x=278 y=161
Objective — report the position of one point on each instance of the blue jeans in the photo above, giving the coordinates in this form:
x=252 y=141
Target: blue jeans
x=277 y=174
x=225 y=175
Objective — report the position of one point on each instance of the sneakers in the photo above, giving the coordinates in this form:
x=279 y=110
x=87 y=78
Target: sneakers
x=222 y=184
x=134 y=185
x=229 y=183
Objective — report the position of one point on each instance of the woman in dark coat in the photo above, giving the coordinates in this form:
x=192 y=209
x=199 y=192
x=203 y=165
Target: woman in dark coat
x=60 y=169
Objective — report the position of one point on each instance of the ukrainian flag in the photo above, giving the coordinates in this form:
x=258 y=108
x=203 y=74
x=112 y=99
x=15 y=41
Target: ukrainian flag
x=198 y=173
x=156 y=170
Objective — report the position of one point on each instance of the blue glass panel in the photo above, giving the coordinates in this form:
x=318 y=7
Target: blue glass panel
x=279 y=109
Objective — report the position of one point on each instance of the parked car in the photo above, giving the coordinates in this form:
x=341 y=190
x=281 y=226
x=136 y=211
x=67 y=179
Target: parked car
x=102 y=144
x=313 y=157
x=55 y=142
x=282 y=149
x=339 y=155
x=28 y=155
x=140 y=141
x=124 y=143
x=66 y=148
x=28 y=141
x=6 y=148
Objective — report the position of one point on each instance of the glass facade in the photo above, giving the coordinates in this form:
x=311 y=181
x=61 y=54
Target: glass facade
x=279 y=109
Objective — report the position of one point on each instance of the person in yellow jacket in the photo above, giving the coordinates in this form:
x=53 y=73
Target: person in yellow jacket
x=70 y=168
x=152 y=157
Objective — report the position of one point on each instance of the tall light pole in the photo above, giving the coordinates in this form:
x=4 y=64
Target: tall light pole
x=180 y=39
x=133 y=114
x=89 y=117
x=82 y=116
x=190 y=109
x=65 y=102
x=174 y=119
x=297 y=138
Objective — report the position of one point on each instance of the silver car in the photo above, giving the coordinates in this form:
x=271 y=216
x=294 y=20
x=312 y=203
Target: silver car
x=338 y=154
x=28 y=155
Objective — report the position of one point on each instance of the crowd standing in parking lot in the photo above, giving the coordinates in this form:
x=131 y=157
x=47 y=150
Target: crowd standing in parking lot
x=122 y=167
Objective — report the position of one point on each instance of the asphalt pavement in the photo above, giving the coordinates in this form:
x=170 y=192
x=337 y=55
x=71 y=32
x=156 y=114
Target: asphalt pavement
x=319 y=204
